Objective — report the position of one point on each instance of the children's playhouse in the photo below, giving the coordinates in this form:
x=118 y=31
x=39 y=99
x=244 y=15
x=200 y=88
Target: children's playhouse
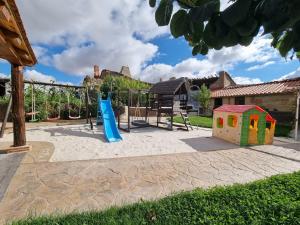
x=243 y=125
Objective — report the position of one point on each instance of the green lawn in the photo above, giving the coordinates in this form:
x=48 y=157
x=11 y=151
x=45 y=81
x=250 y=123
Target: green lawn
x=275 y=200
x=199 y=121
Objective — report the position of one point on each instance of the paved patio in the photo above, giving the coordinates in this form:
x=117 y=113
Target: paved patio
x=42 y=187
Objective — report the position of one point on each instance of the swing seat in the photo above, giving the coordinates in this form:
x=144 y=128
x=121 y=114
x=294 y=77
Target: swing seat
x=31 y=113
x=140 y=123
x=53 y=119
x=74 y=117
x=33 y=121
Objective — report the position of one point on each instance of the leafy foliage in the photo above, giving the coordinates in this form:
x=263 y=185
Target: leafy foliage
x=115 y=83
x=205 y=27
x=4 y=100
x=271 y=201
x=203 y=97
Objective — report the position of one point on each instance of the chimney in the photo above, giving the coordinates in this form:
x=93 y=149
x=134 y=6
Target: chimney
x=125 y=71
x=160 y=79
x=96 y=72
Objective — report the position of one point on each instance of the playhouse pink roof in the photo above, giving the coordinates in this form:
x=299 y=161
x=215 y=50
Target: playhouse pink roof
x=241 y=109
x=237 y=108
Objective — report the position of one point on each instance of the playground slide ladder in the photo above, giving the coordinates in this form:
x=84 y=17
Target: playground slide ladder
x=186 y=121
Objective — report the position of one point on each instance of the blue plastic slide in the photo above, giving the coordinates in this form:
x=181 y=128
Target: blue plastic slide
x=111 y=131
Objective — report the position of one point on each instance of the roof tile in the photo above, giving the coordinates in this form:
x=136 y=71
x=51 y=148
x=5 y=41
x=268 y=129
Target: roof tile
x=276 y=87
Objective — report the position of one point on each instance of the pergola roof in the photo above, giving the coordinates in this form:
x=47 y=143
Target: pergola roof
x=14 y=45
x=170 y=86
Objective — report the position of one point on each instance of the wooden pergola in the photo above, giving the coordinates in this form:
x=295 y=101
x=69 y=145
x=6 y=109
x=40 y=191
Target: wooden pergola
x=16 y=49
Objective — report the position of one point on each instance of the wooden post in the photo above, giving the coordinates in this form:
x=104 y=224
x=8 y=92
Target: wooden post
x=87 y=105
x=118 y=104
x=158 y=113
x=147 y=103
x=18 y=112
x=172 y=112
x=297 y=116
x=6 y=117
x=129 y=104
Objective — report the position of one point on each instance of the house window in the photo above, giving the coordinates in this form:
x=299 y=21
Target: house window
x=220 y=122
x=239 y=100
x=232 y=121
x=218 y=102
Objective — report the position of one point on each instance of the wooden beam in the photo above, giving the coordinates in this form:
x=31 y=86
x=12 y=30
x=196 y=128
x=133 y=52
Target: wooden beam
x=10 y=34
x=18 y=112
x=7 y=25
x=15 y=59
x=23 y=53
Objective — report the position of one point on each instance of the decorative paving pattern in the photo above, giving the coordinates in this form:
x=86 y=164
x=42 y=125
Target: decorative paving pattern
x=61 y=187
x=8 y=166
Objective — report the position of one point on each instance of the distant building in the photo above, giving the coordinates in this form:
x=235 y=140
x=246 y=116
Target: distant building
x=279 y=98
x=100 y=76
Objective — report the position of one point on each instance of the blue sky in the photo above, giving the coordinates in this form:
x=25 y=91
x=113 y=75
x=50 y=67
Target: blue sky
x=69 y=42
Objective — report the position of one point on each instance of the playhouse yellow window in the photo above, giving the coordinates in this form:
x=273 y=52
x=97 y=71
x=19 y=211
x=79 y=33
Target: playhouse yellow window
x=232 y=121
x=220 y=122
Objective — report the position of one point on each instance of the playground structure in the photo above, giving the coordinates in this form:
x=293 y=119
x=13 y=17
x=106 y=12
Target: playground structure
x=155 y=107
x=47 y=89
x=243 y=125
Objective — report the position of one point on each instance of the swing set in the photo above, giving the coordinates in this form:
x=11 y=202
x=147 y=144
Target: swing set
x=53 y=108
x=79 y=96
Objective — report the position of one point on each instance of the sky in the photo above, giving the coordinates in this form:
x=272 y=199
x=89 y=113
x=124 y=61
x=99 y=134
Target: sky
x=69 y=37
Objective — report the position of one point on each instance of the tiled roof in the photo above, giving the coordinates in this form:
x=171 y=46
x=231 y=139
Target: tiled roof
x=276 y=87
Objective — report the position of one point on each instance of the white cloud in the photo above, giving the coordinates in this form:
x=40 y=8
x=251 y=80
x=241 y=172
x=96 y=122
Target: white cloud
x=37 y=76
x=294 y=74
x=191 y=68
x=109 y=33
x=257 y=52
x=246 y=80
x=260 y=66
x=2 y=75
x=225 y=59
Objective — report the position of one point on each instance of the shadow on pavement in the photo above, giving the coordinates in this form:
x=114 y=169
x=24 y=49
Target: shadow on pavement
x=205 y=144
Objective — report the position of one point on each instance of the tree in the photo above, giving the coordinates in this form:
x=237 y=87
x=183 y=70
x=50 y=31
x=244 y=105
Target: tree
x=205 y=27
x=203 y=97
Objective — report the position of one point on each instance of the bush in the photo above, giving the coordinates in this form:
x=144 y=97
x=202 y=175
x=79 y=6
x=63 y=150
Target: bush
x=282 y=130
x=272 y=201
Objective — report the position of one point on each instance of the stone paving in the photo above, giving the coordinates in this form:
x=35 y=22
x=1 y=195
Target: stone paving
x=41 y=187
x=8 y=166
